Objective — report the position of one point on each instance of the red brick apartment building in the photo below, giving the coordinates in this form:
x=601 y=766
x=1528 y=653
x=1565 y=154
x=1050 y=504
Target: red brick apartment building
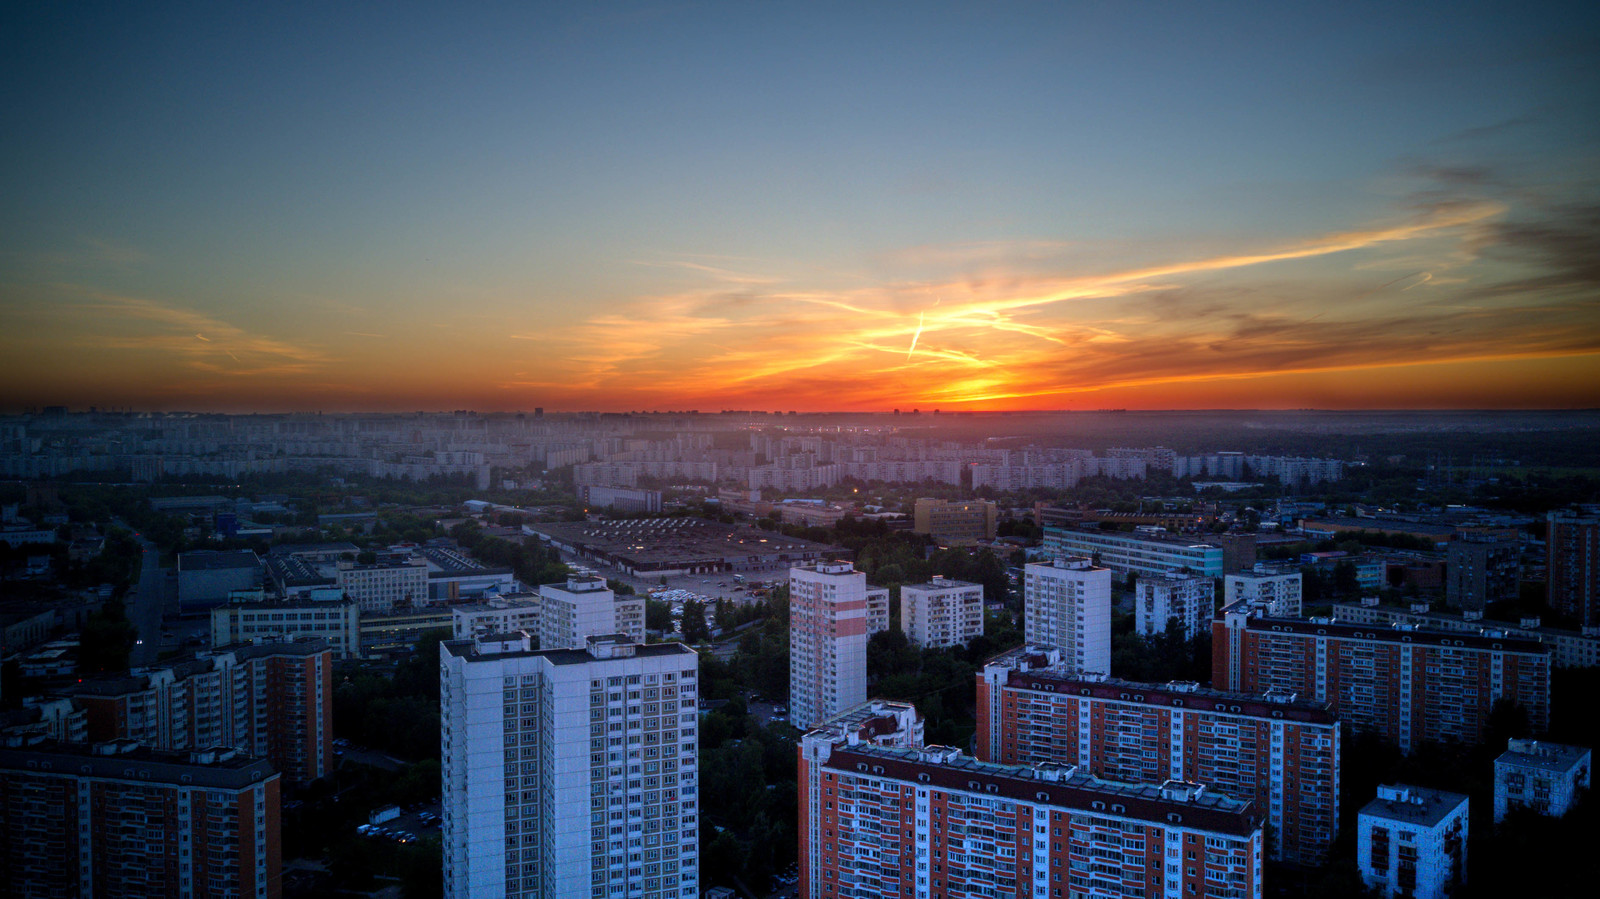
x=883 y=817
x=1407 y=684
x=272 y=701
x=1278 y=751
x=116 y=820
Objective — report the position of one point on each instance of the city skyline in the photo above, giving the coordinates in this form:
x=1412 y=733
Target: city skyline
x=719 y=206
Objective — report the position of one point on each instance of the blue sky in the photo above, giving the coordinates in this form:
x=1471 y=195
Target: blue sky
x=704 y=204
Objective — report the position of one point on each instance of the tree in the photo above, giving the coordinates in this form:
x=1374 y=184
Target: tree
x=658 y=615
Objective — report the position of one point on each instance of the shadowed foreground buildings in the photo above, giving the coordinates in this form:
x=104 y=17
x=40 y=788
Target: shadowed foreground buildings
x=1404 y=684
x=883 y=817
x=569 y=773
x=117 y=820
x=1412 y=841
x=1276 y=750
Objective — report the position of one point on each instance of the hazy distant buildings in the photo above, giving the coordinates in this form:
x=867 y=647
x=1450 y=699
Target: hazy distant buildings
x=1067 y=605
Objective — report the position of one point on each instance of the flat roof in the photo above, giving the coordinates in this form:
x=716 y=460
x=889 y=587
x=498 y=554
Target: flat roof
x=1335 y=628
x=667 y=542
x=1542 y=755
x=1425 y=808
x=217 y=560
x=1072 y=789
x=148 y=765
x=468 y=649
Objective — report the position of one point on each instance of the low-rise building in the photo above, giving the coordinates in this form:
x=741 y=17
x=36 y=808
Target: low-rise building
x=1277 y=590
x=206 y=577
x=1148 y=550
x=325 y=614
x=1412 y=841
x=955 y=522
x=1543 y=777
x=496 y=615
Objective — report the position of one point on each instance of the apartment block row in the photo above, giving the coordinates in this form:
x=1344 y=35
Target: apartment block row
x=882 y=815
x=273 y=702
x=1405 y=684
x=1276 y=750
x=118 y=820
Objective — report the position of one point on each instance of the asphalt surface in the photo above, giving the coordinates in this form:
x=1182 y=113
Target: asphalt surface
x=145 y=602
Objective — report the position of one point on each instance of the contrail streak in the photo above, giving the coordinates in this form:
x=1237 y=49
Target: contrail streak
x=914 y=337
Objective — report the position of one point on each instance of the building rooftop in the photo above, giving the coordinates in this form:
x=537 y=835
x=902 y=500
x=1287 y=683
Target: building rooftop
x=939 y=583
x=1332 y=627
x=1417 y=806
x=1056 y=785
x=128 y=760
x=468 y=649
x=667 y=542
x=217 y=560
x=1557 y=757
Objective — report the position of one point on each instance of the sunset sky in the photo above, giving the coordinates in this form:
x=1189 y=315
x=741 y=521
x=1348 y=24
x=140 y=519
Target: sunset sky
x=800 y=206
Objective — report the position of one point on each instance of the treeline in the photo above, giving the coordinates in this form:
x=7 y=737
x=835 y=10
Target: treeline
x=398 y=715
x=749 y=797
x=532 y=563
x=941 y=683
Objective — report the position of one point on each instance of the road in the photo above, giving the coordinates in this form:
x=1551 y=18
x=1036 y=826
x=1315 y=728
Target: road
x=145 y=602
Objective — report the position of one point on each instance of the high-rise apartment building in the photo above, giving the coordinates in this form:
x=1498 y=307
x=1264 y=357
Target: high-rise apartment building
x=1481 y=568
x=955 y=522
x=272 y=701
x=1412 y=842
x=828 y=631
x=1278 y=751
x=1067 y=605
x=941 y=612
x=1278 y=591
x=1188 y=599
x=1573 y=546
x=1405 y=684
x=570 y=613
x=119 y=820
x=1543 y=777
x=569 y=773
x=884 y=817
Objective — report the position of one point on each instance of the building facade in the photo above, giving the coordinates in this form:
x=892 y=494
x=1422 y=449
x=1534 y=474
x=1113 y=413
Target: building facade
x=1412 y=842
x=383 y=587
x=118 y=820
x=1543 y=777
x=1277 y=751
x=1067 y=605
x=828 y=630
x=955 y=522
x=1150 y=551
x=335 y=620
x=1278 y=591
x=1481 y=568
x=941 y=612
x=884 y=817
x=1188 y=599
x=269 y=701
x=570 y=613
x=1405 y=684
x=569 y=773
x=1572 y=544
x=496 y=615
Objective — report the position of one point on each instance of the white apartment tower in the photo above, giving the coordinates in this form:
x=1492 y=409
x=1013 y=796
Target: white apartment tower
x=941 y=612
x=828 y=631
x=569 y=773
x=1279 y=591
x=570 y=613
x=1068 y=606
x=1188 y=598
